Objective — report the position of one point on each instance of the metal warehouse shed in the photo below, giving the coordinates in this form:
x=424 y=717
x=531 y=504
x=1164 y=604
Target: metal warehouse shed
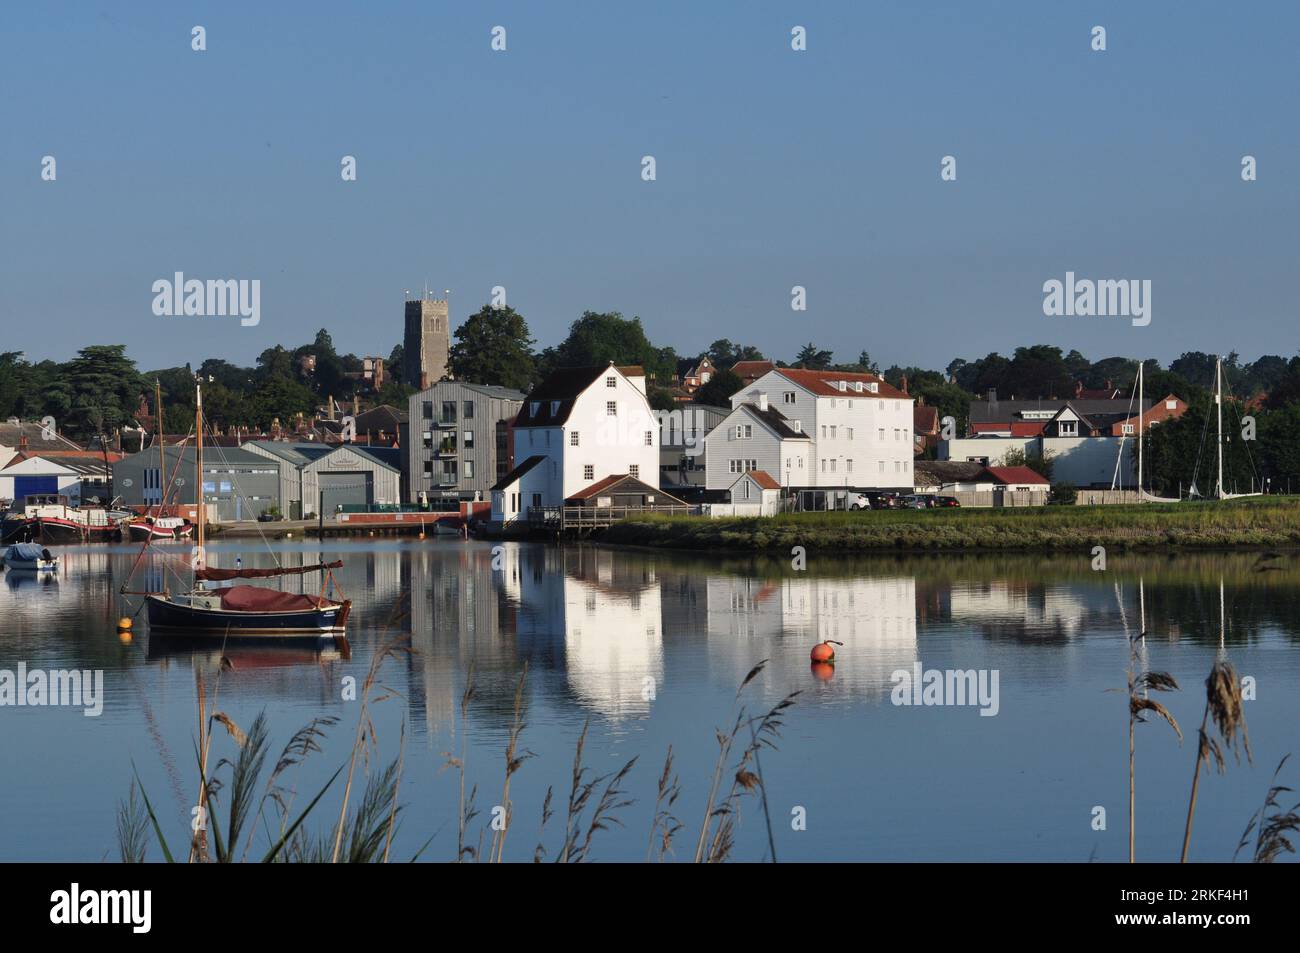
x=237 y=485
x=351 y=475
x=293 y=456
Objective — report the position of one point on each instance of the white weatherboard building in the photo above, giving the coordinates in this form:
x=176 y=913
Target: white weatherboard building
x=579 y=426
x=820 y=434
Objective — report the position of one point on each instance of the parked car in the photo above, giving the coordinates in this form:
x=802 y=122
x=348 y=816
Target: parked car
x=859 y=501
x=945 y=501
x=913 y=502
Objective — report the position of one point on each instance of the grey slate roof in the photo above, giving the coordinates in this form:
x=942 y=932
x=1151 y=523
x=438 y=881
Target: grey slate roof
x=986 y=412
x=517 y=472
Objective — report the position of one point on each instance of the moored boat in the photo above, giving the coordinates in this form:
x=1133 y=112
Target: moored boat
x=240 y=610
x=29 y=556
x=159 y=528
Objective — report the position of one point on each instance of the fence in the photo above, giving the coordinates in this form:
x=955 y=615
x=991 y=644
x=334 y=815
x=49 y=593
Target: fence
x=589 y=517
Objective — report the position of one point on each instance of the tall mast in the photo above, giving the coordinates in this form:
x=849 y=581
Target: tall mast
x=198 y=467
x=162 y=458
x=1218 y=401
x=1141 y=364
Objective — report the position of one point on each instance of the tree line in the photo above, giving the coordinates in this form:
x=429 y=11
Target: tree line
x=98 y=391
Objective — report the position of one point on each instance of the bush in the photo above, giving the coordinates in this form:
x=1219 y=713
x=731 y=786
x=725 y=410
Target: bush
x=1063 y=493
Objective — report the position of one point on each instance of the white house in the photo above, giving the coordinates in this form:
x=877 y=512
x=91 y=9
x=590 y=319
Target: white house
x=755 y=493
x=757 y=437
x=580 y=425
x=859 y=431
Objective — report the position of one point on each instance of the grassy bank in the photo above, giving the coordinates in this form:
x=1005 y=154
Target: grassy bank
x=1248 y=523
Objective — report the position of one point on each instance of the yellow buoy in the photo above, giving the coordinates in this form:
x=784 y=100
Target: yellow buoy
x=124 y=622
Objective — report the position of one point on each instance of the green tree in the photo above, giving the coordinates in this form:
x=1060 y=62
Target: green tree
x=102 y=391
x=723 y=353
x=717 y=392
x=810 y=357
x=494 y=346
x=598 y=338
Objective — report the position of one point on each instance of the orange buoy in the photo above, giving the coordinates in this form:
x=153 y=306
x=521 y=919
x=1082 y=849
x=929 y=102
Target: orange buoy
x=124 y=623
x=822 y=651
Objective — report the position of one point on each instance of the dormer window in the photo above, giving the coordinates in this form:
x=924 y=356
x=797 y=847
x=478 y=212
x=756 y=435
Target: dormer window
x=857 y=386
x=535 y=408
x=873 y=387
x=555 y=408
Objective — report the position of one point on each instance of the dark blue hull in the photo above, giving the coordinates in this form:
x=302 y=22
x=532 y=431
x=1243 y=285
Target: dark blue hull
x=171 y=618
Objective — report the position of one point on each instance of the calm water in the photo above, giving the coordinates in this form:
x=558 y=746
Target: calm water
x=651 y=648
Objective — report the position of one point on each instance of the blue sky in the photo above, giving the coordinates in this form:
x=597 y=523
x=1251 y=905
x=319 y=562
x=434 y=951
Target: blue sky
x=775 y=169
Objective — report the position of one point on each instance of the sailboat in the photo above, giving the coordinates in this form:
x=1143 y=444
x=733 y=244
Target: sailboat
x=1143 y=495
x=241 y=610
x=158 y=526
x=1220 y=492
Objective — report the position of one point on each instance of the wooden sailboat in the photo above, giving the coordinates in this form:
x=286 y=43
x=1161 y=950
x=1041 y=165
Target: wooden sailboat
x=158 y=526
x=241 y=610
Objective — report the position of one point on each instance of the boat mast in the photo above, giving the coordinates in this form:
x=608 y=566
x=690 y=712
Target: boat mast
x=1140 y=412
x=162 y=458
x=1218 y=402
x=201 y=560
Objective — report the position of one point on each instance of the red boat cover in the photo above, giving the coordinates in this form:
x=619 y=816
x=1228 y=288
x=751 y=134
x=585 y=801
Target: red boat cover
x=257 y=599
x=225 y=575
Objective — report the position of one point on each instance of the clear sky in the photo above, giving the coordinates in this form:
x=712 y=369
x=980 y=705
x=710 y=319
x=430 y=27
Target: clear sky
x=775 y=168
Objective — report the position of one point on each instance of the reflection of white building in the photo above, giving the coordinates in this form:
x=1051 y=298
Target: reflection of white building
x=781 y=619
x=1016 y=607
x=599 y=617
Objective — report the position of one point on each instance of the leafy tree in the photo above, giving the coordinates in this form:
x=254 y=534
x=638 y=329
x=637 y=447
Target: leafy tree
x=661 y=398
x=1039 y=371
x=394 y=392
x=1042 y=465
x=1063 y=493
x=810 y=357
x=1287 y=389
x=598 y=338
x=717 y=392
x=724 y=354
x=494 y=346
x=102 y=391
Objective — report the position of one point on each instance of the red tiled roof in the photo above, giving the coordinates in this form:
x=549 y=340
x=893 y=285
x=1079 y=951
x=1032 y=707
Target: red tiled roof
x=764 y=479
x=615 y=479
x=752 y=368
x=1027 y=428
x=1015 y=475
x=925 y=420
x=822 y=383
x=599 y=486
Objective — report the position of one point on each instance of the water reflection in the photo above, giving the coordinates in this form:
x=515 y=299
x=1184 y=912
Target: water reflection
x=651 y=647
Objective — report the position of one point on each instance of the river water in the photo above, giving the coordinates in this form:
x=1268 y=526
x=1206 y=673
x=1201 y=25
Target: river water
x=649 y=650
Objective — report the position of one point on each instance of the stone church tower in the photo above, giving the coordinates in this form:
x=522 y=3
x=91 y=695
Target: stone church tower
x=426 y=343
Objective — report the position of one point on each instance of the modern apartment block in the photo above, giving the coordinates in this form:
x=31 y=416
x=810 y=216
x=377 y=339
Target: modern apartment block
x=460 y=440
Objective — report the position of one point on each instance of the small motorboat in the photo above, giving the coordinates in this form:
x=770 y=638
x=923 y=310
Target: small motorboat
x=30 y=556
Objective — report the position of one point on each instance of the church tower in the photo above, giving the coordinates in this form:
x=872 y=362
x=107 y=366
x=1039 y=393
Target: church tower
x=426 y=343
